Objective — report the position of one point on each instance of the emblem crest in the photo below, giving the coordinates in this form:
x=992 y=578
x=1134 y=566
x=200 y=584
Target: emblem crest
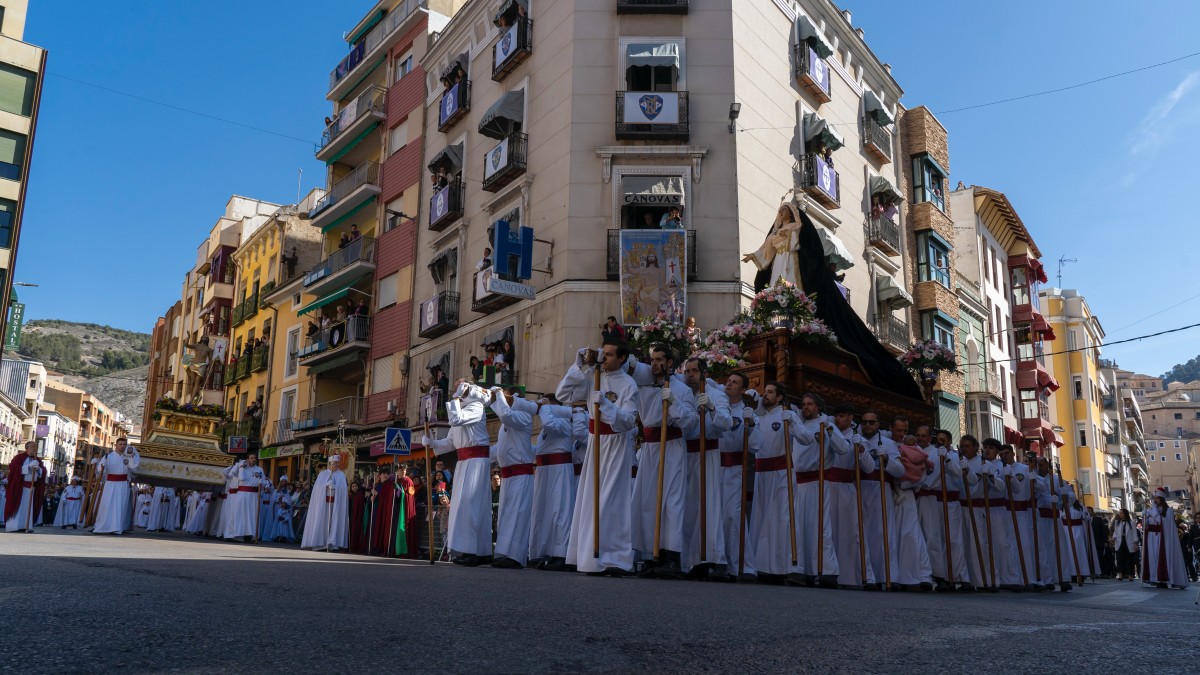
x=506 y=43
x=611 y=396
x=496 y=154
x=775 y=426
x=651 y=105
x=737 y=424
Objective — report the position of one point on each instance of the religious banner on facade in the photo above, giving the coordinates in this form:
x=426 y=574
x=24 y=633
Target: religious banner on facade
x=652 y=275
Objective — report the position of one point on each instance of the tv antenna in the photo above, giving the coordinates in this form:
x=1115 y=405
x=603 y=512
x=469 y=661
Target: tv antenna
x=1063 y=261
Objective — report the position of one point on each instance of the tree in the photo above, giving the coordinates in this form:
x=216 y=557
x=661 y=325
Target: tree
x=1183 y=372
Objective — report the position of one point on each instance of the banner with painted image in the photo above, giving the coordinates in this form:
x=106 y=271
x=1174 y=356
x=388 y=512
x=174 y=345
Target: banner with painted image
x=652 y=275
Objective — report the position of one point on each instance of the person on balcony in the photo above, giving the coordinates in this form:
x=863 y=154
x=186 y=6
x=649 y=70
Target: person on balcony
x=361 y=308
x=890 y=211
x=876 y=207
x=440 y=179
x=355 y=235
x=340 y=317
x=648 y=222
x=312 y=329
x=486 y=261
x=671 y=220
x=344 y=241
x=476 y=369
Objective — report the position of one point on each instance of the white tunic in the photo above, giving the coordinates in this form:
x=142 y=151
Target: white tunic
x=553 y=484
x=281 y=518
x=932 y=513
x=31 y=471
x=198 y=515
x=731 y=487
x=976 y=521
x=1162 y=556
x=114 y=511
x=770 y=538
x=843 y=507
x=328 y=512
x=70 y=507
x=160 y=510
x=716 y=423
x=243 y=504
x=470 y=528
x=618 y=408
x=875 y=494
x=266 y=510
x=514 y=454
x=1051 y=535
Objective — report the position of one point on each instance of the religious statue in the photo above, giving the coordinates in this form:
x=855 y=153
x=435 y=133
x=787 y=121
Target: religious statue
x=778 y=255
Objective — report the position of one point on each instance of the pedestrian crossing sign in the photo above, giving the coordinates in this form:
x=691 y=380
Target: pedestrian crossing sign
x=397 y=441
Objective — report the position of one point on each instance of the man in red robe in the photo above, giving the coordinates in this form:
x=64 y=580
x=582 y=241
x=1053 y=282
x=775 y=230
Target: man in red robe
x=22 y=481
x=410 y=511
x=358 y=514
x=388 y=538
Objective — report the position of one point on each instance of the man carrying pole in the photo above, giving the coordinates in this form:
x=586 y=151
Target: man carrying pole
x=878 y=502
x=26 y=491
x=817 y=556
x=1056 y=565
x=1013 y=474
x=844 y=486
x=704 y=537
x=737 y=444
x=940 y=513
x=772 y=520
x=1000 y=534
x=973 y=470
x=612 y=416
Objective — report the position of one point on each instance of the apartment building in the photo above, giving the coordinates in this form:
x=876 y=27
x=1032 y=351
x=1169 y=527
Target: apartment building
x=56 y=436
x=1077 y=413
x=545 y=145
x=164 y=361
x=99 y=426
x=1126 y=446
x=22 y=68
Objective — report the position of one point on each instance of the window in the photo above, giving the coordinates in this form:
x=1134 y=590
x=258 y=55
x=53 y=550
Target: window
x=1176 y=444
x=12 y=154
x=444 y=269
x=296 y=300
x=293 y=346
x=403 y=65
x=1178 y=457
x=933 y=258
x=386 y=293
x=381 y=374
x=1078 y=385
x=937 y=327
x=8 y=212
x=1164 y=458
x=1151 y=458
x=398 y=137
x=928 y=177
x=654 y=65
x=16 y=90
x=1178 y=416
x=1083 y=437
x=287 y=405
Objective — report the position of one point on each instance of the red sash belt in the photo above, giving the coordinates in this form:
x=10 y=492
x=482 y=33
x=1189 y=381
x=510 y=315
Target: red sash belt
x=552 y=459
x=328 y=499
x=731 y=459
x=771 y=463
x=1046 y=513
x=247 y=488
x=694 y=445
x=579 y=469
x=1071 y=522
x=1018 y=505
x=1154 y=528
x=831 y=476
x=116 y=477
x=654 y=434
x=974 y=503
x=951 y=495
x=516 y=470
x=605 y=428
x=72 y=499
x=473 y=452
x=873 y=475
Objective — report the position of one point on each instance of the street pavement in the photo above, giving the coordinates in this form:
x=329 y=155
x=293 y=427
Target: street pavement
x=76 y=602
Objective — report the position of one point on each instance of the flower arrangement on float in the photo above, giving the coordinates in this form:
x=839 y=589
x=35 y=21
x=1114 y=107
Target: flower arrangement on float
x=784 y=305
x=660 y=330
x=927 y=358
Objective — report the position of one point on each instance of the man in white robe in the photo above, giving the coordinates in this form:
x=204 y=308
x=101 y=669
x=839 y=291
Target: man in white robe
x=327 y=526
x=160 y=510
x=553 y=486
x=656 y=386
x=469 y=534
x=1054 y=553
x=232 y=483
x=3 y=496
x=933 y=511
x=214 y=520
x=114 y=512
x=70 y=507
x=743 y=434
x=854 y=565
x=141 y=508
x=816 y=564
x=713 y=407
x=197 y=512
x=1072 y=517
x=1020 y=560
x=877 y=491
x=266 y=509
x=514 y=454
x=769 y=534
x=1162 y=554
x=912 y=551
x=23 y=509
x=979 y=523
x=616 y=402
x=281 y=517
x=243 y=505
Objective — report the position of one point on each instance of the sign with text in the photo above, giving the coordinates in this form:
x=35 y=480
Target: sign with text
x=12 y=337
x=511 y=242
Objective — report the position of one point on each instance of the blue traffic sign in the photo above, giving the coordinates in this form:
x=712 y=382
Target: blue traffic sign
x=397 y=441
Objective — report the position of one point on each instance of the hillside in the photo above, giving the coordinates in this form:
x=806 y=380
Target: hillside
x=107 y=362
x=1183 y=372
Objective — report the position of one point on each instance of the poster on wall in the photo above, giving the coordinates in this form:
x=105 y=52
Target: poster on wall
x=652 y=275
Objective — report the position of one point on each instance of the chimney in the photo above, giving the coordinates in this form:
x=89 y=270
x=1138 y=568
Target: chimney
x=847 y=16
x=860 y=33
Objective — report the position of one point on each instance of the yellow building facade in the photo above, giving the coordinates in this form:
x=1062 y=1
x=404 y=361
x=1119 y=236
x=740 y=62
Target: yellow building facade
x=1077 y=410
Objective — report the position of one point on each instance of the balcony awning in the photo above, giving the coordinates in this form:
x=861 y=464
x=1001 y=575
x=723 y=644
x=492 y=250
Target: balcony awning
x=875 y=109
x=807 y=31
x=658 y=190
x=500 y=335
x=318 y=304
x=505 y=116
x=1046 y=380
x=657 y=54
x=1039 y=270
x=1040 y=325
x=817 y=130
x=885 y=190
x=338 y=362
x=450 y=159
x=890 y=293
x=836 y=252
x=510 y=9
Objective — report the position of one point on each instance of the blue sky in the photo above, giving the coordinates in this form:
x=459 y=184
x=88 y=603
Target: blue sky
x=122 y=191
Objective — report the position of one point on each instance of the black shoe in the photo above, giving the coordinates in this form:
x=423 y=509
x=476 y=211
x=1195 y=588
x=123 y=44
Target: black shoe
x=648 y=568
x=468 y=560
x=873 y=587
x=797 y=579
x=553 y=565
x=699 y=572
x=748 y=578
x=668 y=567
x=925 y=587
x=1064 y=587
x=505 y=563
x=827 y=581
x=616 y=572
x=594 y=574
x=941 y=586
x=966 y=587
x=771 y=579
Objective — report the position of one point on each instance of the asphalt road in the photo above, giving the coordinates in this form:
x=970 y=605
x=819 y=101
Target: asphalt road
x=76 y=602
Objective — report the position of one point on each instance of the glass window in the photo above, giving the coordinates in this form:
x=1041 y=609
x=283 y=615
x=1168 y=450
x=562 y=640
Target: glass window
x=386 y=293
x=12 y=154
x=1178 y=416
x=398 y=137
x=1083 y=437
x=933 y=259
x=404 y=66
x=16 y=90
x=8 y=213
x=934 y=327
x=927 y=182
x=1178 y=457
x=293 y=345
x=653 y=66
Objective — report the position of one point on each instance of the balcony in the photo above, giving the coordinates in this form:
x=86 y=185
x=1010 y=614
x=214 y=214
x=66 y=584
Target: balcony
x=371 y=49
x=652 y=116
x=812 y=72
x=321 y=417
x=893 y=332
x=446 y=206
x=883 y=234
x=439 y=315
x=614 y=255
x=353 y=123
x=243 y=368
x=260 y=359
x=505 y=163
x=819 y=181
x=514 y=46
x=346 y=196
x=337 y=345
x=249 y=427
x=492 y=291
x=230 y=375
x=283 y=430
x=455 y=104
x=652 y=6
x=239 y=316
x=343 y=267
x=877 y=140
x=982 y=383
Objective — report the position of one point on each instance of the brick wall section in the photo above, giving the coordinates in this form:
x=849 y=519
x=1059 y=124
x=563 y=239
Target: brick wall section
x=377 y=411
x=401 y=171
x=396 y=248
x=405 y=96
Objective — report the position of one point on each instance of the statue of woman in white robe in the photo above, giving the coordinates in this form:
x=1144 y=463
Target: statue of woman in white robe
x=779 y=253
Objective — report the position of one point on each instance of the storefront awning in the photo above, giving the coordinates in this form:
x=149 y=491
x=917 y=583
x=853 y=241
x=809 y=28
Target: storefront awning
x=884 y=189
x=875 y=108
x=890 y=293
x=659 y=54
x=509 y=11
x=658 y=190
x=807 y=31
x=836 y=251
x=318 y=304
x=819 y=132
x=505 y=116
x=450 y=159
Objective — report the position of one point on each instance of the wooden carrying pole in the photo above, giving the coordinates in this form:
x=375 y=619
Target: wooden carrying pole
x=1070 y=532
x=703 y=483
x=662 y=467
x=745 y=489
x=862 y=543
x=946 y=522
x=429 y=491
x=820 y=501
x=596 y=465
x=975 y=530
x=887 y=554
x=791 y=483
x=1012 y=508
